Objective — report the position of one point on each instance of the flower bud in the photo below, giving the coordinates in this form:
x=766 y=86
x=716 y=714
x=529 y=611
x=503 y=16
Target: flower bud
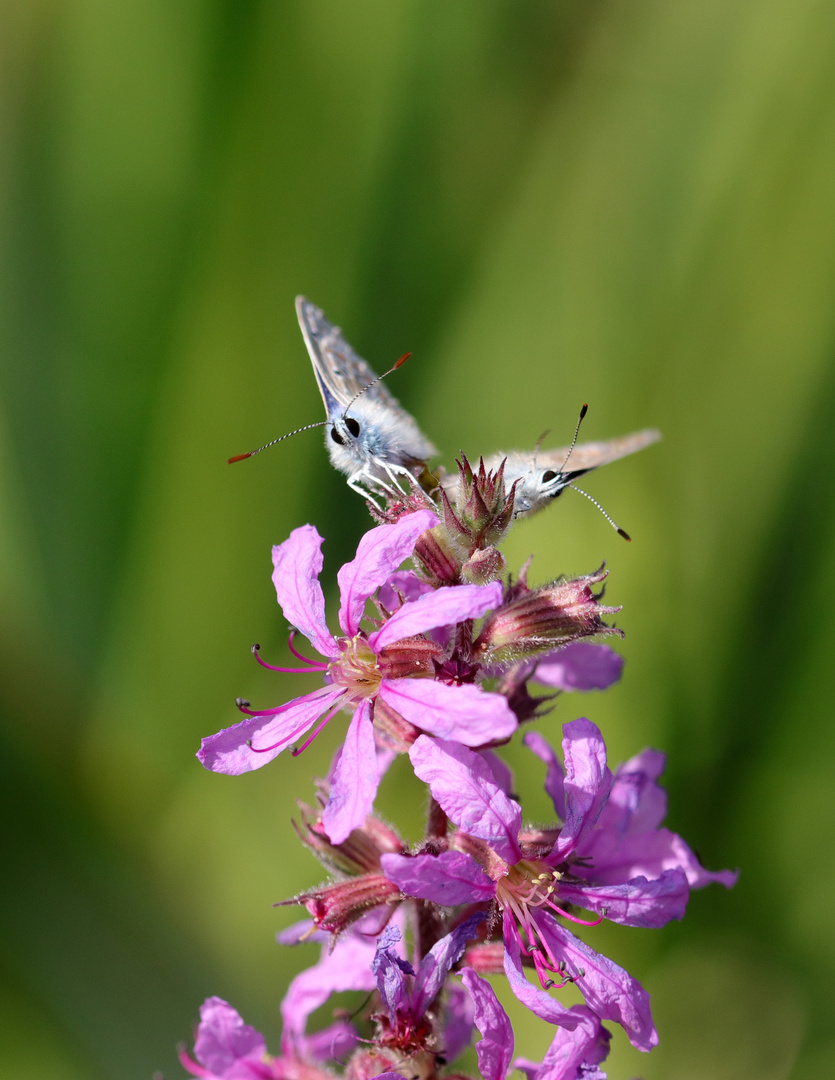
x=334 y=907
x=532 y=621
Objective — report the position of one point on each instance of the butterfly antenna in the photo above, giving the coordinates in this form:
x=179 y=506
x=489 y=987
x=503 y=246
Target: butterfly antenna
x=580 y=419
x=266 y=446
x=374 y=382
x=614 y=524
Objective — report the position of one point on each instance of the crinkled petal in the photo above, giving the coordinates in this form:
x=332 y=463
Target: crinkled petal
x=457 y=1021
x=637 y=803
x=554 y=777
x=466 y=714
x=532 y=997
x=390 y=971
x=573 y=1054
x=587 y=782
x=462 y=783
x=354 y=780
x=297 y=564
x=346 y=967
x=450 y=878
x=442 y=607
x=495 y=1047
x=438 y=963
x=230 y=752
x=380 y=552
x=610 y=991
x=633 y=903
x=225 y=1044
x=580 y=666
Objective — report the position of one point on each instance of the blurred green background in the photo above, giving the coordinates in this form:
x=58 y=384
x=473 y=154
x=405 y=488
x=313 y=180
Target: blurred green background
x=625 y=202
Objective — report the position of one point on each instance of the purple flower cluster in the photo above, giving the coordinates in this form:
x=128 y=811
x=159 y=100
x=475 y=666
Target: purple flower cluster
x=436 y=662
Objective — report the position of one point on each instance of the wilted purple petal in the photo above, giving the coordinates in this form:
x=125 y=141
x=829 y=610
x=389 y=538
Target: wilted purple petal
x=462 y=783
x=346 y=967
x=380 y=552
x=610 y=991
x=554 y=778
x=465 y=714
x=297 y=564
x=587 y=782
x=442 y=607
x=225 y=1043
x=229 y=751
x=579 y=666
x=573 y=1054
x=538 y=1001
x=354 y=780
x=438 y=962
x=450 y=878
x=390 y=971
x=634 y=903
x=495 y=1047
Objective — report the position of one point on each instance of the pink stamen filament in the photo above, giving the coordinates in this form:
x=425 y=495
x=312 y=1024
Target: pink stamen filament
x=322 y=723
x=573 y=918
x=313 y=663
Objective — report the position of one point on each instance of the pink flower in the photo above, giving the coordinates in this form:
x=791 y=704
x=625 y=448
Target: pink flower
x=363 y=668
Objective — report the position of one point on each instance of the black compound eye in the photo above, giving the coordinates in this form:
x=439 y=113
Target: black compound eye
x=352 y=425
x=337 y=438
x=548 y=476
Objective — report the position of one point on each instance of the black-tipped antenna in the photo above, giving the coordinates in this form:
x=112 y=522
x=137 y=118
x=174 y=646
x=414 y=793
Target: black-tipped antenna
x=580 y=419
x=394 y=367
x=281 y=438
x=614 y=524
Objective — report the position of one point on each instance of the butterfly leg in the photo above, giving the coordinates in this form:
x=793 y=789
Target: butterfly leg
x=354 y=485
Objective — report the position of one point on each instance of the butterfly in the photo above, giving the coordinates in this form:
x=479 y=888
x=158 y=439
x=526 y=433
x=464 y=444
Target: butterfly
x=541 y=476
x=370 y=436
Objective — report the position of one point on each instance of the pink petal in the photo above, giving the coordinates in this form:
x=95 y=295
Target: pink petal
x=297 y=564
x=638 y=902
x=495 y=1048
x=580 y=666
x=609 y=991
x=462 y=783
x=224 y=1040
x=379 y=553
x=532 y=997
x=450 y=878
x=443 y=607
x=346 y=967
x=229 y=751
x=354 y=780
x=587 y=781
x=554 y=778
x=466 y=713
x=403 y=583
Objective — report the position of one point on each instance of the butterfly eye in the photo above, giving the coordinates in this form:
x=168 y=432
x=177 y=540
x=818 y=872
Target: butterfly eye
x=548 y=476
x=352 y=425
x=337 y=438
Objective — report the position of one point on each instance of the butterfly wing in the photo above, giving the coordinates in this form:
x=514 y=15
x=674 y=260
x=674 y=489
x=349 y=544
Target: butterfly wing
x=540 y=475
x=370 y=434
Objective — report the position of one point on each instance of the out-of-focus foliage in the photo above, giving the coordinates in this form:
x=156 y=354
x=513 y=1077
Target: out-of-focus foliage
x=548 y=202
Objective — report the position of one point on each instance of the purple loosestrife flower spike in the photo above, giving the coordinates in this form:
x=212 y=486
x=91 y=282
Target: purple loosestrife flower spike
x=361 y=670
x=536 y=877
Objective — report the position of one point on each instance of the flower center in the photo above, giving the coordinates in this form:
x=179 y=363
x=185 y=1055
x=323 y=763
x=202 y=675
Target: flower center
x=356 y=669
